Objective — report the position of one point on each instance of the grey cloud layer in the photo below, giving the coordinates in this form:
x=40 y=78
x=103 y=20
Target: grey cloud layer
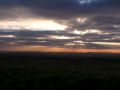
x=44 y=38
x=102 y=15
x=62 y=9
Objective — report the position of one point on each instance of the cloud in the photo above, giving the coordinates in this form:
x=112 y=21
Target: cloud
x=60 y=9
x=48 y=38
x=97 y=21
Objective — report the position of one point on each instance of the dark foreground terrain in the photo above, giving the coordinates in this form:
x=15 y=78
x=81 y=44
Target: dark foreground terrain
x=57 y=71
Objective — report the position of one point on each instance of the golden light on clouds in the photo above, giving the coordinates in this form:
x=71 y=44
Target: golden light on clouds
x=31 y=24
x=91 y=31
x=81 y=20
x=61 y=37
x=76 y=31
x=60 y=25
x=87 y=31
x=78 y=41
x=107 y=43
x=9 y=36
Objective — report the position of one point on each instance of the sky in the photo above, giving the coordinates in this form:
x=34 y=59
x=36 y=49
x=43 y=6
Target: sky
x=60 y=25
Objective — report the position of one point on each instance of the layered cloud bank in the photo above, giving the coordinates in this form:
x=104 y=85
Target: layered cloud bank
x=60 y=25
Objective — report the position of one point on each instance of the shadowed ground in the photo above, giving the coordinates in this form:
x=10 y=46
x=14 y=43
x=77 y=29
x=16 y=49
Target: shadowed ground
x=56 y=71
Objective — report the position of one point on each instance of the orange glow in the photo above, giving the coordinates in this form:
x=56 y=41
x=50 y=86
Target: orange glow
x=57 y=49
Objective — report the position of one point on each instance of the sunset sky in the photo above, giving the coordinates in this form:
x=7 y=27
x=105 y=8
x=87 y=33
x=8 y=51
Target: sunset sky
x=60 y=25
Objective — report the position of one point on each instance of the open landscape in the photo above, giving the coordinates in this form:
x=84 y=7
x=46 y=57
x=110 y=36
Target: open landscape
x=59 y=44
x=56 y=71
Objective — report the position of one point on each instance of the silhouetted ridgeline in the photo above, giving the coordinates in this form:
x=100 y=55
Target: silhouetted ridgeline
x=59 y=56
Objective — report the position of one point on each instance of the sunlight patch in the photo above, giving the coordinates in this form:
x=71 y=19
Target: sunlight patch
x=30 y=24
x=87 y=31
x=9 y=36
x=81 y=20
x=107 y=43
x=61 y=37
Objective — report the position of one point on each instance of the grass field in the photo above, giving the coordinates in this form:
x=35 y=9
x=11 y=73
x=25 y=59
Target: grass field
x=57 y=71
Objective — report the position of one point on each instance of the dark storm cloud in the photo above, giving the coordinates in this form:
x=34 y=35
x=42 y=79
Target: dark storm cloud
x=63 y=9
x=9 y=3
x=66 y=9
x=109 y=20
